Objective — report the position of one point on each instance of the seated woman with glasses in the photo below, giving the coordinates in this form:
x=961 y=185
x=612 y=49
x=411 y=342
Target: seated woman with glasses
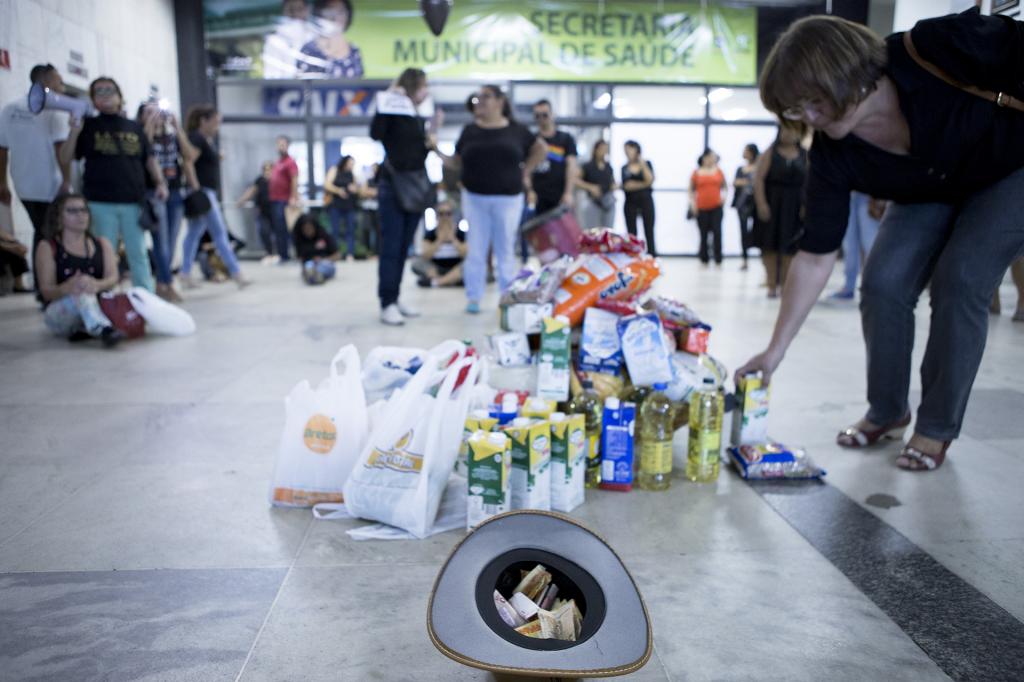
x=443 y=250
x=73 y=267
x=933 y=120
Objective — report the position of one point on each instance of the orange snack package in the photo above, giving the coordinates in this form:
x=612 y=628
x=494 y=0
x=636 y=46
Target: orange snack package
x=604 y=276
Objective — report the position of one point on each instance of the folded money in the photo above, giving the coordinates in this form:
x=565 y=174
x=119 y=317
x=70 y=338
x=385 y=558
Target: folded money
x=507 y=612
x=534 y=583
x=558 y=624
x=532 y=629
x=523 y=606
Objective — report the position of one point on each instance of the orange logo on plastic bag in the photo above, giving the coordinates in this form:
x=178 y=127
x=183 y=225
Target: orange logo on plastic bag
x=397 y=458
x=320 y=435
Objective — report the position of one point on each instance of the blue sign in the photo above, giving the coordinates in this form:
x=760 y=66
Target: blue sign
x=326 y=101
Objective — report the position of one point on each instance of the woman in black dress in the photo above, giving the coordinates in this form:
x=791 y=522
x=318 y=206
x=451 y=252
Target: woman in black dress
x=743 y=197
x=778 y=193
x=637 y=180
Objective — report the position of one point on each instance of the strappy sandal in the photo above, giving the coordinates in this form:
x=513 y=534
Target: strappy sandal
x=912 y=459
x=852 y=437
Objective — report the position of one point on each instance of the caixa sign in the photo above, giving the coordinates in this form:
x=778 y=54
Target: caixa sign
x=325 y=101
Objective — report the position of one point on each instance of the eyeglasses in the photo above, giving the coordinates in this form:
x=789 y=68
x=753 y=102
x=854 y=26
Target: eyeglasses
x=445 y=214
x=76 y=210
x=104 y=91
x=541 y=114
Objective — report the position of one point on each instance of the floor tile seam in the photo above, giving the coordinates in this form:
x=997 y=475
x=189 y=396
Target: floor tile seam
x=661 y=662
x=273 y=603
x=39 y=518
x=181 y=569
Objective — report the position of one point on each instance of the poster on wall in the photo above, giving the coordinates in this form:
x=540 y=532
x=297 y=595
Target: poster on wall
x=648 y=41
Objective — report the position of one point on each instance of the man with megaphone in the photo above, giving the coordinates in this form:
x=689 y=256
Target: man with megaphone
x=29 y=145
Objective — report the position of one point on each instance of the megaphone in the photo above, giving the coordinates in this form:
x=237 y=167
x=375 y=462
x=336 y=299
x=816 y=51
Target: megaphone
x=41 y=97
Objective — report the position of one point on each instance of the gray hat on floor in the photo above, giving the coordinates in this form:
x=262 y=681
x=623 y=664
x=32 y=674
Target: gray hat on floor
x=464 y=624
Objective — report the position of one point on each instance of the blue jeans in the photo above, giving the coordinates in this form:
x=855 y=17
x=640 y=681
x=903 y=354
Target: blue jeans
x=121 y=222
x=212 y=222
x=71 y=314
x=336 y=215
x=397 y=229
x=280 y=225
x=493 y=224
x=861 y=231
x=317 y=272
x=165 y=239
x=963 y=251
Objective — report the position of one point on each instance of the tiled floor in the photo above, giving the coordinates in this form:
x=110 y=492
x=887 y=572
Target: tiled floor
x=136 y=541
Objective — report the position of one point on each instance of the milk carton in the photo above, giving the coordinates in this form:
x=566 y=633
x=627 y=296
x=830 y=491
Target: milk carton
x=568 y=461
x=538 y=408
x=553 y=360
x=617 y=432
x=531 y=463
x=476 y=420
x=490 y=468
x=750 y=420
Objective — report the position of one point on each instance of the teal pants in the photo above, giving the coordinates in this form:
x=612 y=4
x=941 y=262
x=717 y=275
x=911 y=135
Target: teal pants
x=120 y=222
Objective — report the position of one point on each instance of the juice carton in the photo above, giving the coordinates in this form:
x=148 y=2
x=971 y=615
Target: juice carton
x=538 y=408
x=617 y=431
x=750 y=420
x=531 y=463
x=553 y=363
x=568 y=461
x=490 y=468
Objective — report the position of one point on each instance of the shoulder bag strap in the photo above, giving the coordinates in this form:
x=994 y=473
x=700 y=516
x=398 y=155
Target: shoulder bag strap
x=999 y=98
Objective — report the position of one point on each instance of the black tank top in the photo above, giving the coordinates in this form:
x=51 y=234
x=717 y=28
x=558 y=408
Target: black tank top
x=68 y=264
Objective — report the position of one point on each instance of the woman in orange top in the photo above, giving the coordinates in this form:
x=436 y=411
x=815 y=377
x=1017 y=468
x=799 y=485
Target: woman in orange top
x=707 y=196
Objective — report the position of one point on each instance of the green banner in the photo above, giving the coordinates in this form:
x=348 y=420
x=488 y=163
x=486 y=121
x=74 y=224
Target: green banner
x=565 y=41
x=640 y=41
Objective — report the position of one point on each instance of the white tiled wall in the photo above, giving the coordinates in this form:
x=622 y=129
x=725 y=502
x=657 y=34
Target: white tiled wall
x=133 y=41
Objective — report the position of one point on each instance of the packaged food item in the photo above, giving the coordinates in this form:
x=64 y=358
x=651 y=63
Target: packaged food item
x=511 y=348
x=553 y=359
x=695 y=338
x=773 y=460
x=601 y=277
x=531 y=463
x=617 y=429
x=527 y=318
x=506 y=409
x=704 y=447
x=600 y=348
x=489 y=477
x=643 y=347
x=623 y=307
x=606 y=240
x=689 y=372
x=476 y=420
x=750 y=419
x=674 y=313
x=540 y=286
x=568 y=461
x=587 y=403
x=538 y=408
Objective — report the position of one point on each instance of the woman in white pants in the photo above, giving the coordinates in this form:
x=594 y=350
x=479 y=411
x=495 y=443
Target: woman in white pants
x=497 y=156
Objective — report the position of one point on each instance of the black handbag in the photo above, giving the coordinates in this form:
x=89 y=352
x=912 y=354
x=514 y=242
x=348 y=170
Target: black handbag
x=197 y=204
x=415 y=192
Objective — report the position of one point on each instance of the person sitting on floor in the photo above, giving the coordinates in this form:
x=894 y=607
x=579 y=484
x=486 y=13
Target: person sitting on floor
x=73 y=267
x=316 y=250
x=443 y=250
x=12 y=265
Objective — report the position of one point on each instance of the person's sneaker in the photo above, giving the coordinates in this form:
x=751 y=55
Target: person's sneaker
x=188 y=282
x=392 y=316
x=423 y=282
x=241 y=282
x=473 y=308
x=79 y=336
x=842 y=296
x=407 y=311
x=111 y=337
x=270 y=259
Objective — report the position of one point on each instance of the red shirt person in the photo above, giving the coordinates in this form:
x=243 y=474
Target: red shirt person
x=282 y=189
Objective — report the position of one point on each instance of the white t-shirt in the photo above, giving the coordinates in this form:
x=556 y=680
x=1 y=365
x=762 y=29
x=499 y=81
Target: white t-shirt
x=29 y=139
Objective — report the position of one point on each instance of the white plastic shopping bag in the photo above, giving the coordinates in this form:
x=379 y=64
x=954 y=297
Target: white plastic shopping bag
x=324 y=434
x=161 y=317
x=387 y=368
x=409 y=457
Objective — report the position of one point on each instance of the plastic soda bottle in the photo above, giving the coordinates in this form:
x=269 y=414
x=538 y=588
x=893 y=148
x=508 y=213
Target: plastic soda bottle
x=588 y=403
x=704 y=448
x=657 y=418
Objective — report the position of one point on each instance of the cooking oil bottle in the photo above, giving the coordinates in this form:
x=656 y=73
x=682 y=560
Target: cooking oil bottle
x=588 y=403
x=705 y=445
x=657 y=418
x=637 y=395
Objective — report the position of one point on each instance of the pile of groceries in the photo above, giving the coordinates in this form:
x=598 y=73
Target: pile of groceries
x=584 y=386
